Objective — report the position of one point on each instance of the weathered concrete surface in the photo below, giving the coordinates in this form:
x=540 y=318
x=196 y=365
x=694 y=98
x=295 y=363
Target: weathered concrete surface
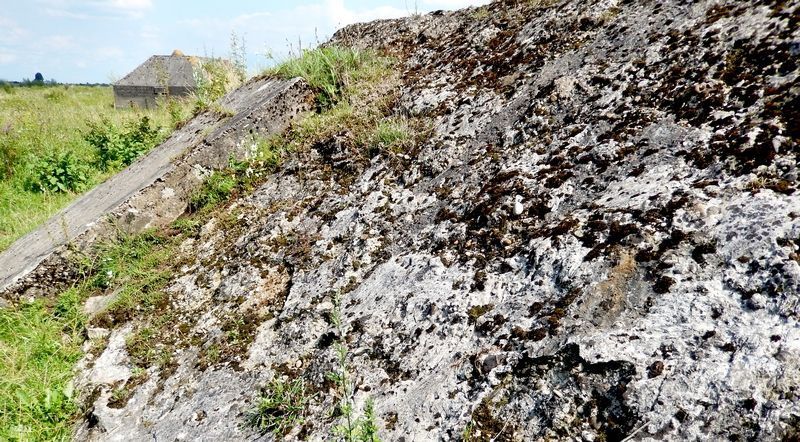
x=154 y=190
x=600 y=240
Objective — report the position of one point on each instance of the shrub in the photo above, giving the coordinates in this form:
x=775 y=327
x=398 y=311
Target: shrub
x=6 y=87
x=59 y=172
x=115 y=147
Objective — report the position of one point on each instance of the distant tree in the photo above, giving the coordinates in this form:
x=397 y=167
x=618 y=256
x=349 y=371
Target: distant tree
x=38 y=78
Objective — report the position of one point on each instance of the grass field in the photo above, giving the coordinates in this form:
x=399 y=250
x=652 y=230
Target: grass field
x=43 y=143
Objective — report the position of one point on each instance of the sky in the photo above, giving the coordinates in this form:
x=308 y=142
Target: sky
x=100 y=41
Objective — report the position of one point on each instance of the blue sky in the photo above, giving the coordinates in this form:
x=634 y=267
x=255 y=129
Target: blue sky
x=102 y=40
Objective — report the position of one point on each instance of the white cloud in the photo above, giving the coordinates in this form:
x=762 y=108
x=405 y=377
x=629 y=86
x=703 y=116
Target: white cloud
x=130 y=5
x=59 y=42
x=340 y=15
x=96 y=9
x=7 y=57
x=12 y=32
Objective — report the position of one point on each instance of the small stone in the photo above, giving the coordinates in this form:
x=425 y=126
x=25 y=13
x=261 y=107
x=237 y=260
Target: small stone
x=756 y=302
x=97 y=332
x=655 y=369
x=518 y=207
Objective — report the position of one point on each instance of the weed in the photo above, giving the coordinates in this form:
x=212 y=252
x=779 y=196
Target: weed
x=56 y=95
x=187 y=225
x=59 y=172
x=142 y=350
x=214 y=77
x=281 y=407
x=353 y=428
x=481 y=13
x=263 y=156
x=177 y=112
x=217 y=188
x=9 y=155
x=394 y=135
x=468 y=434
x=238 y=57
x=116 y=147
x=134 y=268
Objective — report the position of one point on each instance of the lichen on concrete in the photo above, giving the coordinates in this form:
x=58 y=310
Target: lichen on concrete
x=598 y=240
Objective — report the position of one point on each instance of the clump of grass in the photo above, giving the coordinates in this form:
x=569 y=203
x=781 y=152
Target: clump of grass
x=333 y=70
x=9 y=154
x=136 y=269
x=39 y=344
x=280 y=408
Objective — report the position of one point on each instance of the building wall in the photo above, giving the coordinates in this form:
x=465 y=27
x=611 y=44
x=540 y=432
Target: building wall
x=145 y=97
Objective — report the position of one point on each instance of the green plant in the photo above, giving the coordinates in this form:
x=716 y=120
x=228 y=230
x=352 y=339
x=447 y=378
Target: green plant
x=178 y=114
x=59 y=172
x=217 y=188
x=38 y=347
x=481 y=13
x=135 y=268
x=6 y=87
x=33 y=126
x=263 y=156
x=393 y=134
x=238 y=57
x=467 y=435
x=331 y=70
x=187 y=225
x=214 y=77
x=57 y=95
x=9 y=155
x=281 y=407
x=143 y=352
x=116 y=147
x=352 y=428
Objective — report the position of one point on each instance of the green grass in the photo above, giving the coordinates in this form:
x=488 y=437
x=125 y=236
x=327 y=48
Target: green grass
x=39 y=345
x=136 y=268
x=37 y=123
x=280 y=408
x=334 y=71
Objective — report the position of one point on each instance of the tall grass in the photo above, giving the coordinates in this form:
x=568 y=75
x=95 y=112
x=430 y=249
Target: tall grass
x=334 y=70
x=39 y=345
x=50 y=122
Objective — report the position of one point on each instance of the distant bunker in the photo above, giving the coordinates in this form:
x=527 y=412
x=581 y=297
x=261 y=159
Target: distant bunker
x=158 y=77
